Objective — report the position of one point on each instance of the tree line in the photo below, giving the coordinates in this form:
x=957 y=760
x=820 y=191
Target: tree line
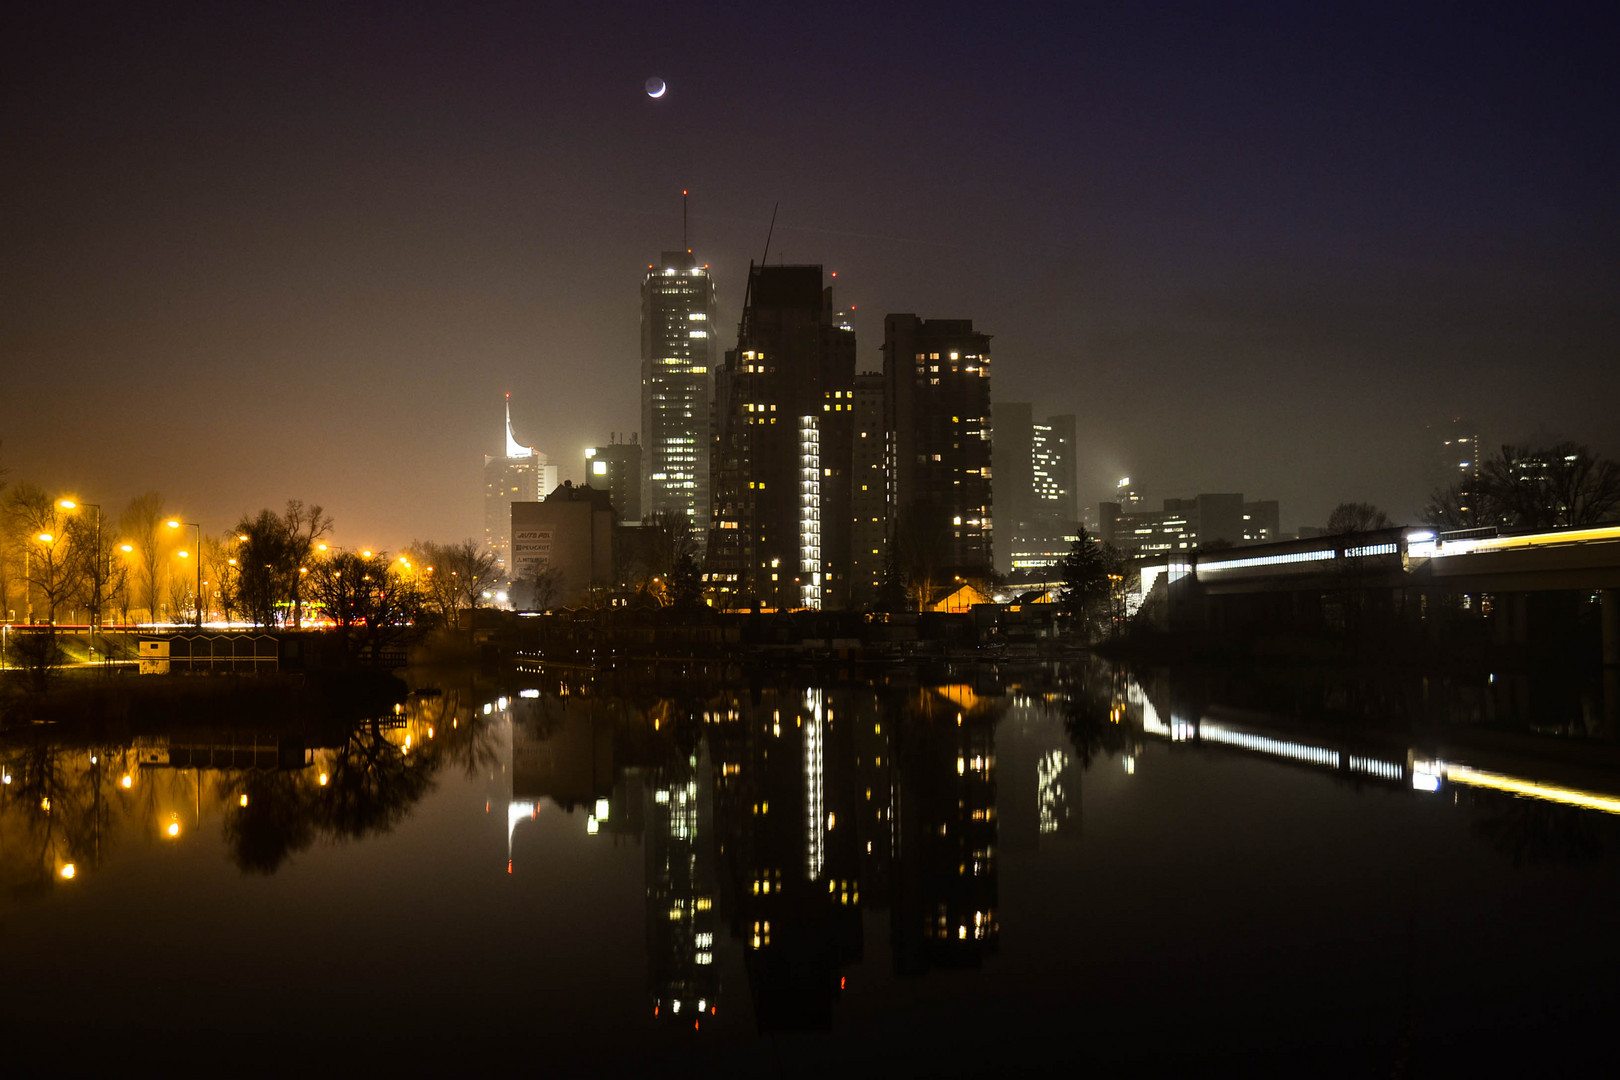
x=1563 y=485
x=61 y=561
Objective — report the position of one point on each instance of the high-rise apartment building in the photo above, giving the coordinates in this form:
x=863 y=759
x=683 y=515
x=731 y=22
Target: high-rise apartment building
x=937 y=377
x=1037 y=516
x=617 y=467
x=518 y=475
x=677 y=372
x=784 y=412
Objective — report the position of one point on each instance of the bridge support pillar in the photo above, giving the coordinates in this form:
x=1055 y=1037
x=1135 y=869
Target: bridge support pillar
x=1611 y=627
x=1611 y=662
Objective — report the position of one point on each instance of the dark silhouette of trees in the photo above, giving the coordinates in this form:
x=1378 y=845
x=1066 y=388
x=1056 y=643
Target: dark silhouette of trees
x=274 y=559
x=539 y=587
x=453 y=576
x=304 y=526
x=891 y=594
x=686 y=584
x=1090 y=571
x=922 y=543
x=265 y=560
x=52 y=559
x=141 y=525
x=1354 y=517
x=1553 y=487
x=370 y=602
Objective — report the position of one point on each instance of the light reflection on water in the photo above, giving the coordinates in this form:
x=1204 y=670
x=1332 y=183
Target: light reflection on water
x=824 y=858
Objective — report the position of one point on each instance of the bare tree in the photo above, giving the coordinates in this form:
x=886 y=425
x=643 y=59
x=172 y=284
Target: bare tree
x=53 y=562
x=220 y=570
x=367 y=599
x=141 y=523
x=453 y=576
x=539 y=588
x=304 y=526
x=1354 y=517
x=182 y=598
x=1559 y=486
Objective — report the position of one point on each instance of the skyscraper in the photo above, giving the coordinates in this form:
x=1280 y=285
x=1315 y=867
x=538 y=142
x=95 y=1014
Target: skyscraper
x=785 y=404
x=1036 y=512
x=1052 y=469
x=937 y=376
x=677 y=365
x=518 y=475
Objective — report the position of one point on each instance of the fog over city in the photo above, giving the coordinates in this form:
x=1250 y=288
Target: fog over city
x=254 y=254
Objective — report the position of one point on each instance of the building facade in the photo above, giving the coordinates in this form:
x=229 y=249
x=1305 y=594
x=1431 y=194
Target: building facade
x=784 y=410
x=1184 y=525
x=937 y=388
x=677 y=373
x=519 y=474
x=871 y=461
x=617 y=467
x=571 y=533
x=1037 y=516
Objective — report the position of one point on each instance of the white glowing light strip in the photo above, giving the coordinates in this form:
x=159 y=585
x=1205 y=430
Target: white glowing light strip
x=1425 y=545
x=814 y=767
x=1461 y=774
x=1371 y=549
x=1268 y=560
x=1384 y=770
x=1263 y=744
x=810 y=512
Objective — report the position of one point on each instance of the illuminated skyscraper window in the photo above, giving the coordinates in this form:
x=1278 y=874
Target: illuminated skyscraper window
x=677 y=365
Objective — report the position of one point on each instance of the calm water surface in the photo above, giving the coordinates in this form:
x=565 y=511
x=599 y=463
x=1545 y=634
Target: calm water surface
x=1002 y=871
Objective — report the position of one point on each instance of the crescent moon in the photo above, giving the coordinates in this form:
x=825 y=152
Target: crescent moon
x=656 y=87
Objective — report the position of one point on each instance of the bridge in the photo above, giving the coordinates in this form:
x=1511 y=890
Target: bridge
x=1399 y=562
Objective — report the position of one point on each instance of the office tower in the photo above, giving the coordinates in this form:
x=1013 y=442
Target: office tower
x=1052 y=469
x=682 y=883
x=1037 y=518
x=784 y=411
x=677 y=364
x=870 y=445
x=1456 y=465
x=617 y=468
x=518 y=475
x=937 y=376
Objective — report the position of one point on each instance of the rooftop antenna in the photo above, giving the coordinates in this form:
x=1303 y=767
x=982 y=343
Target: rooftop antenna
x=763 y=259
x=685 y=243
x=748 y=290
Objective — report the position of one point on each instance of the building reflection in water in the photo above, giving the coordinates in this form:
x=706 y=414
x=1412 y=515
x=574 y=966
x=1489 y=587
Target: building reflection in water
x=770 y=819
x=681 y=916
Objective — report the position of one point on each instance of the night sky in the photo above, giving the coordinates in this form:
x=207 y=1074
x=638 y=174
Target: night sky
x=253 y=252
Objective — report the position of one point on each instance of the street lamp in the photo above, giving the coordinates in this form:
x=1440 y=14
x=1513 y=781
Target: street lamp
x=198 y=553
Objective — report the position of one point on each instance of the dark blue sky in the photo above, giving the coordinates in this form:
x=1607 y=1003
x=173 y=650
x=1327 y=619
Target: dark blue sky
x=259 y=251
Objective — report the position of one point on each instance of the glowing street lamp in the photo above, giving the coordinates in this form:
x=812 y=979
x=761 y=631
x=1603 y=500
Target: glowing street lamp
x=197 y=550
